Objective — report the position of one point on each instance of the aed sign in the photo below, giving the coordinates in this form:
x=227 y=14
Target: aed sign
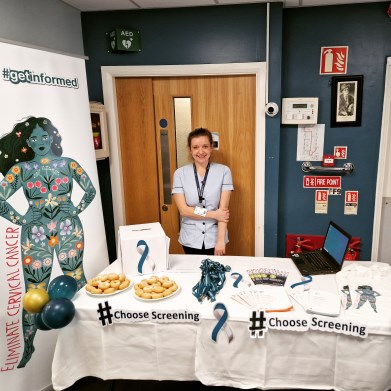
x=333 y=60
x=325 y=182
x=123 y=40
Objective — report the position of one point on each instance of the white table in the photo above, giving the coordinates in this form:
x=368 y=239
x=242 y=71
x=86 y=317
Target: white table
x=185 y=351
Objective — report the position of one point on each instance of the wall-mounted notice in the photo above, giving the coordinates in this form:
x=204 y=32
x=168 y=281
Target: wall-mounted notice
x=351 y=202
x=216 y=140
x=321 y=181
x=340 y=152
x=333 y=60
x=335 y=192
x=310 y=140
x=321 y=201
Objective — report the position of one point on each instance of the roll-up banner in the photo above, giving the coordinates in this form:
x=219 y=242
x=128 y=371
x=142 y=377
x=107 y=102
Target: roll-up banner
x=51 y=220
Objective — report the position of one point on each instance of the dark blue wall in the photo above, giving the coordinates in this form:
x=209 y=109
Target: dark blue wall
x=227 y=34
x=202 y=35
x=366 y=29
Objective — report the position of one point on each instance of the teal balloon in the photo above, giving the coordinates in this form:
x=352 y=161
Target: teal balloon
x=62 y=287
x=58 y=313
x=40 y=324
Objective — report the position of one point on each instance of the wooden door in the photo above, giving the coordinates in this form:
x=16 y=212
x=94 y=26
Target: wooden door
x=223 y=104
x=138 y=150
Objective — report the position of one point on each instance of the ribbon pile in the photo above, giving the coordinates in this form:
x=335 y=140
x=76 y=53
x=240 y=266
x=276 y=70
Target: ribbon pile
x=212 y=280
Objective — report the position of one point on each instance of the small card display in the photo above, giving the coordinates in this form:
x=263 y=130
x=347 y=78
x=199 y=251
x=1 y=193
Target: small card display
x=272 y=299
x=268 y=276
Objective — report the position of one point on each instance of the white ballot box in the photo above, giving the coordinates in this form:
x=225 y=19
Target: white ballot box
x=143 y=248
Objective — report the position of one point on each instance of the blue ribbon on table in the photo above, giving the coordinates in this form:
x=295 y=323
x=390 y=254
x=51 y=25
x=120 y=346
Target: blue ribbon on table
x=144 y=254
x=239 y=278
x=305 y=280
x=221 y=324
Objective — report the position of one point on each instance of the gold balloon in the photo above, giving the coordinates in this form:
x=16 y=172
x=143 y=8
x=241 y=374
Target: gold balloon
x=35 y=299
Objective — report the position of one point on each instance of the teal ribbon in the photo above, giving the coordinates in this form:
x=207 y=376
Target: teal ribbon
x=144 y=255
x=212 y=280
x=238 y=278
x=221 y=324
x=306 y=280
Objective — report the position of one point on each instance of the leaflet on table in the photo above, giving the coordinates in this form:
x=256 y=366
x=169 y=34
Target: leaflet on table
x=366 y=294
x=270 y=298
x=318 y=301
x=268 y=276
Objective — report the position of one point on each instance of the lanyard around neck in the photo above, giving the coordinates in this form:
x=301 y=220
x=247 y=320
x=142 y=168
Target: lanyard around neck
x=200 y=190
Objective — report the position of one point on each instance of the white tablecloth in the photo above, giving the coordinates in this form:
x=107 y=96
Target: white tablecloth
x=185 y=351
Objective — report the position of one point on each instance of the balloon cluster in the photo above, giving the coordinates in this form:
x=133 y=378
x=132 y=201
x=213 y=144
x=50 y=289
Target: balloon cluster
x=53 y=307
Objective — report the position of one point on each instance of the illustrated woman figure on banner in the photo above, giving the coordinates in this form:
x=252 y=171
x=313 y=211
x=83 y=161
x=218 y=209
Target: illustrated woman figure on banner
x=30 y=158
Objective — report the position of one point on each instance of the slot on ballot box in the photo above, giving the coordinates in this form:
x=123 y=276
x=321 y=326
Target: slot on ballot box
x=143 y=248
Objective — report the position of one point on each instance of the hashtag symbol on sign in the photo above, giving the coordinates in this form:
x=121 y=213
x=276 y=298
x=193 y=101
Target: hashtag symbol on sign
x=257 y=325
x=6 y=73
x=105 y=313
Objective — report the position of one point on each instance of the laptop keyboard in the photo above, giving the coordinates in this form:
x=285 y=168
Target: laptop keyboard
x=316 y=261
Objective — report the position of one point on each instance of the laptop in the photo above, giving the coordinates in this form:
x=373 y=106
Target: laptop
x=328 y=259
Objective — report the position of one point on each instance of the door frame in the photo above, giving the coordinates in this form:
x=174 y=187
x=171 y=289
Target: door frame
x=259 y=69
x=383 y=183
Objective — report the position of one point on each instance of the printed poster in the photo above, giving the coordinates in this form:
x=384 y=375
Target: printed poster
x=51 y=220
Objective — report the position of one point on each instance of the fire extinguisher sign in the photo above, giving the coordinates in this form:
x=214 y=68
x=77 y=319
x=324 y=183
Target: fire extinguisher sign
x=351 y=202
x=333 y=60
x=321 y=201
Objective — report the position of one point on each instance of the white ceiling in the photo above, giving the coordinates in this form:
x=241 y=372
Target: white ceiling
x=106 y=5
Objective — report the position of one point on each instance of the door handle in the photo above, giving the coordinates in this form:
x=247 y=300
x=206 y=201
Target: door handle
x=165 y=208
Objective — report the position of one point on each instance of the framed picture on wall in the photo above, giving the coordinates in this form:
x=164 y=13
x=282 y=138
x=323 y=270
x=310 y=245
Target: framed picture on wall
x=346 y=100
x=99 y=130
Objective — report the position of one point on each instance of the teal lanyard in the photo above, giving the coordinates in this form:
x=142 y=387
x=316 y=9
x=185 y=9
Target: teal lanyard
x=200 y=190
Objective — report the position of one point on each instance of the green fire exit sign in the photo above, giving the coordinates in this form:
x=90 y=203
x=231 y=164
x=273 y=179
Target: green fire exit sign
x=123 y=40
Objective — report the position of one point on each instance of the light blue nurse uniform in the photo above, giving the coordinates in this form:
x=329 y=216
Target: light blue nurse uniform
x=194 y=232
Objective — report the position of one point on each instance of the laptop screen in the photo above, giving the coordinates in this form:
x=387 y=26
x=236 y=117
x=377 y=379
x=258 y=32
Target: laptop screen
x=336 y=242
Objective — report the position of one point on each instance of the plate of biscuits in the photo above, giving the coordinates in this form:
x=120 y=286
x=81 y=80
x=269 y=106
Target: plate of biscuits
x=108 y=284
x=155 y=288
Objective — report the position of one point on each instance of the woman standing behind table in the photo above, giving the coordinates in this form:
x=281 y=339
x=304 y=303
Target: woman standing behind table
x=201 y=192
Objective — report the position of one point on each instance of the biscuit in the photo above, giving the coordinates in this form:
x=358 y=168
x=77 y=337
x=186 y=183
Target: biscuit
x=115 y=284
x=155 y=287
x=107 y=283
x=124 y=284
x=104 y=285
x=122 y=277
x=93 y=290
